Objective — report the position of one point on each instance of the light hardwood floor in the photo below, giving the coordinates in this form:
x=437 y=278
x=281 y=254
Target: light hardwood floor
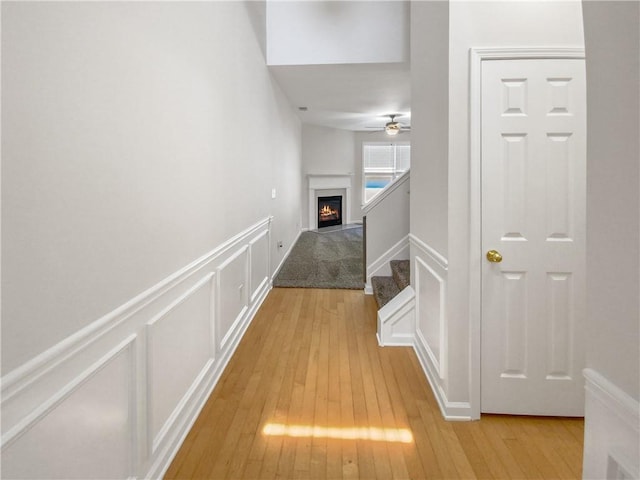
x=309 y=394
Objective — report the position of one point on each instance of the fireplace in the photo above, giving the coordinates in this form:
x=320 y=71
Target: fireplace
x=323 y=185
x=329 y=211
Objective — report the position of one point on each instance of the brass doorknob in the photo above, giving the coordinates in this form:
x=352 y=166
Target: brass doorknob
x=494 y=256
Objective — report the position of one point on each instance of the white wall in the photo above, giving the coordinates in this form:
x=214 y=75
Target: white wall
x=446 y=255
x=429 y=114
x=139 y=153
x=612 y=40
x=330 y=151
x=115 y=170
x=613 y=214
x=326 y=32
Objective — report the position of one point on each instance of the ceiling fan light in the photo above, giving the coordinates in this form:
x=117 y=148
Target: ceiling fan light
x=392 y=128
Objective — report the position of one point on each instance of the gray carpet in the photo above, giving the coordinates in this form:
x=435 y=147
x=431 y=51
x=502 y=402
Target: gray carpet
x=324 y=260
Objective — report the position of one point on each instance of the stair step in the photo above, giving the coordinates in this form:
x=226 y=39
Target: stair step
x=400 y=270
x=384 y=289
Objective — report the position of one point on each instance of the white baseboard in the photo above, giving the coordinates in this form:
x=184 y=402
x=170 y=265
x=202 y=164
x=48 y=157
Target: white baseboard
x=453 y=411
x=430 y=279
x=284 y=257
x=611 y=430
x=202 y=393
x=125 y=368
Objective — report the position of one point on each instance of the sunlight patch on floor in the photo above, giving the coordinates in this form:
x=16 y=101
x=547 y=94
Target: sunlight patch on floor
x=402 y=435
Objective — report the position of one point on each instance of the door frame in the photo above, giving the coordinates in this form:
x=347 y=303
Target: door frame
x=478 y=55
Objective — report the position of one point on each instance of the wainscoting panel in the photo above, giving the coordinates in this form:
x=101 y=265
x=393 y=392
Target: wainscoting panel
x=430 y=270
x=116 y=399
x=178 y=349
x=233 y=285
x=430 y=307
x=87 y=427
x=259 y=264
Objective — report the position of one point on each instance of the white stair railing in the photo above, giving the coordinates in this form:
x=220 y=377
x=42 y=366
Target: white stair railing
x=386 y=220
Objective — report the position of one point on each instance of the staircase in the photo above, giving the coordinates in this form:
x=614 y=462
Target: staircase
x=386 y=288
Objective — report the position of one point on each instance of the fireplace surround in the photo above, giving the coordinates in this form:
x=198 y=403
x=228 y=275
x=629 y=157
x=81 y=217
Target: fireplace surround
x=320 y=185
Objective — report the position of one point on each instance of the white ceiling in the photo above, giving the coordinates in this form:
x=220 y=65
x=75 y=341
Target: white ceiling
x=349 y=96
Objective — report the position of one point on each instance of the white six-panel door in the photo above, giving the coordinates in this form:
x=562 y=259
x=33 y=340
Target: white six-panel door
x=533 y=214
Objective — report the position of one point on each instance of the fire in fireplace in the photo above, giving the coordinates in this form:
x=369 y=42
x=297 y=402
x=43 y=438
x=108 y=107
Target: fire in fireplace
x=329 y=211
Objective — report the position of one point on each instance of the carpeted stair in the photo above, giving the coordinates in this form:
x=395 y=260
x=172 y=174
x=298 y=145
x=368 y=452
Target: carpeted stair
x=385 y=288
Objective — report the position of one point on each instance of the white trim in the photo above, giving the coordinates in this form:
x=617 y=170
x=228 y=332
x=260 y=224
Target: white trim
x=45 y=408
x=166 y=428
x=253 y=289
x=163 y=459
x=611 y=431
x=20 y=378
x=169 y=425
x=452 y=411
x=476 y=57
x=241 y=252
x=439 y=362
x=386 y=191
x=181 y=299
x=436 y=368
x=430 y=251
x=35 y=389
x=616 y=399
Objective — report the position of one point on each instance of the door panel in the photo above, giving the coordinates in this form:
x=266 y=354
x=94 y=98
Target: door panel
x=533 y=213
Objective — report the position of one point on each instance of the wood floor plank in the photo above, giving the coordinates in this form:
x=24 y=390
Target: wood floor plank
x=347 y=419
x=373 y=415
x=435 y=427
x=365 y=462
x=309 y=368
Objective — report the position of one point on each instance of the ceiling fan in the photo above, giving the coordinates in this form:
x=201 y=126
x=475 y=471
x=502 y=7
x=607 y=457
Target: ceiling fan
x=393 y=127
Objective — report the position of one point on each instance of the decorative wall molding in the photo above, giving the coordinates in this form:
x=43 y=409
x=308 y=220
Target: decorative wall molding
x=429 y=251
x=208 y=353
x=201 y=393
x=19 y=378
x=38 y=414
x=612 y=430
x=185 y=312
x=233 y=282
x=431 y=327
x=429 y=279
x=454 y=411
x=259 y=276
x=63 y=407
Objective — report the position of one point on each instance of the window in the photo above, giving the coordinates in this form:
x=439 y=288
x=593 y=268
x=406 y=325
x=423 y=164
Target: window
x=382 y=163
